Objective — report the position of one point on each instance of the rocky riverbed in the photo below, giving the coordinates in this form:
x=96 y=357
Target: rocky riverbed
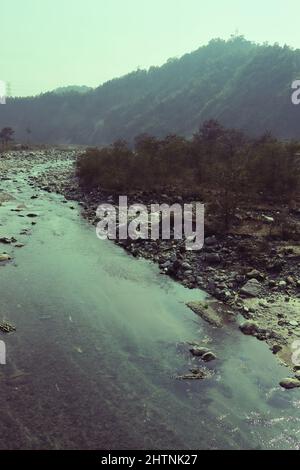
x=252 y=274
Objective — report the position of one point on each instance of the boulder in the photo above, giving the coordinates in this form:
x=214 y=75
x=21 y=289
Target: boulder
x=212 y=258
x=255 y=274
x=276 y=348
x=7 y=240
x=252 y=288
x=32 y=214
x=207 y=311
x=4 y=257
x=166 y=264
x=205 y=354
x=198 y=351
x=290 y=383
x=208 y=356
x=210 y=241
x=249 y=327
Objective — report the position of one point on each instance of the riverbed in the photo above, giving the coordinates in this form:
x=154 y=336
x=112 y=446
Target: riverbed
x=100 y=339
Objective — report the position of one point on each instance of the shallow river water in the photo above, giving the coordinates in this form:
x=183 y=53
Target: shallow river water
x=100 y=339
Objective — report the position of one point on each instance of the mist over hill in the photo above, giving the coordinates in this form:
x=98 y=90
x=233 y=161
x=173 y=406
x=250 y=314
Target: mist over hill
x=240 y=83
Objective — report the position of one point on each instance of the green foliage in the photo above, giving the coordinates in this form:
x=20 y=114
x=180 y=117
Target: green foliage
x=224 y=160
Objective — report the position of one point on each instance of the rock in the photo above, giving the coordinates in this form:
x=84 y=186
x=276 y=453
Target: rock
x=32 y=214
x=186 y=266
x=212 y=258
x=282 y=284
x=276 y=266
x=198 y=351
x=209 y=356
x=7 y=240
x=249 y=327
x=166 y=264
x=290 y=383
x=276 y=348
x=196 y=374
x=252 y=288
x=255 y=274
x=204 y=353
x=210 y=241
x=4 y=257
x=268 y=219
x=290 y=280
x=207 y=311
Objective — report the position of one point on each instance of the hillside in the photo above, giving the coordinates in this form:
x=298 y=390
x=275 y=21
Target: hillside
x=240 y=83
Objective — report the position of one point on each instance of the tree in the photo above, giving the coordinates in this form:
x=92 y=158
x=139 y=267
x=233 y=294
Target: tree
x=6 y=135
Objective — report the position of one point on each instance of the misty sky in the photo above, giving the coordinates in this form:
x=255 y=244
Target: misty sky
x=49 y=43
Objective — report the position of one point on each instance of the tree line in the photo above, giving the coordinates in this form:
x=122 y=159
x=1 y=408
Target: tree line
x=225 y=160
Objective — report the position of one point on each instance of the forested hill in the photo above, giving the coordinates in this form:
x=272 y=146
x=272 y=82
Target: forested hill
x=240 y=83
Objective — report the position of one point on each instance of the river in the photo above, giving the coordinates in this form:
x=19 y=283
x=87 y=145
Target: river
x=100 y=339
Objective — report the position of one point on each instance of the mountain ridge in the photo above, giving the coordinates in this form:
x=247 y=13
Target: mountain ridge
x=240 y=83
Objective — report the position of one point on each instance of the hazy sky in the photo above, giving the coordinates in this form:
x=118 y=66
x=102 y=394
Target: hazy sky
x=49 y=43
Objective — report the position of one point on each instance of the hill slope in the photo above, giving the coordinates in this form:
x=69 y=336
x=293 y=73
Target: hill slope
x=240 y=83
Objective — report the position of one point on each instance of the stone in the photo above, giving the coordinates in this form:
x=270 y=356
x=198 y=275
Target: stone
x=4 y=257
x=212 y=258
x=32 y=214
x=186 y=266
x=207 y=311
x=195 y=374
x=198 y=351
x=166 y=264
x=7 y=240
x=276 y=348
x=268 y=219
x=249 y=327
x=282 y=284
x=6 y=327
x=208 y=356
x=290 y=383
x=255 y=274
x=252 y=288
x=209 y=241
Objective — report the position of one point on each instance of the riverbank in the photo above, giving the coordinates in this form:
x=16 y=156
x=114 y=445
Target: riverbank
x=252 y=271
